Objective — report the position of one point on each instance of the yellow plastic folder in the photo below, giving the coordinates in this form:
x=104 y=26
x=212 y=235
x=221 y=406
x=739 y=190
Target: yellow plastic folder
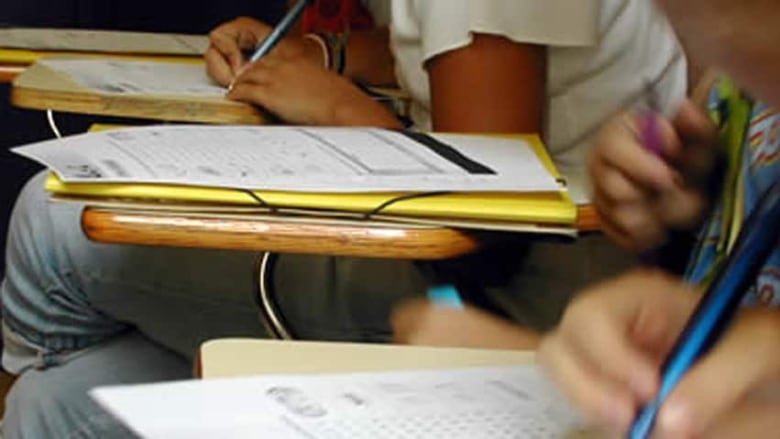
x=542 y=208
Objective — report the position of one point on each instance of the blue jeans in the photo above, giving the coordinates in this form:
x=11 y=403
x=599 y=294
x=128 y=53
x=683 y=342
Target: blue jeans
x=72 y=305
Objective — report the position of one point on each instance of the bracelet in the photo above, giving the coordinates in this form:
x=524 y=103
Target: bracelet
x=326 y=56
x=337 y=45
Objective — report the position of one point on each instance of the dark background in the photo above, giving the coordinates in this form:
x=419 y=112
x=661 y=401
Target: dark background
x=22 y=126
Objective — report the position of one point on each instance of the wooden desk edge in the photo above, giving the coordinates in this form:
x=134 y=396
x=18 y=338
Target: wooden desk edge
x=181 y=230
x=162 y=108
x=8 y=72
x=587 y=218
x=268 y=234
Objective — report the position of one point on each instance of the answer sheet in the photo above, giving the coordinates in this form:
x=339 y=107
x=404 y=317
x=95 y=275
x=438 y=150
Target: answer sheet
x=154 y=78
x=490 y=403
x=81 y=40
x=307 y=159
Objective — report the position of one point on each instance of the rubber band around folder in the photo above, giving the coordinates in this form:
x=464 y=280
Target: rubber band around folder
x=260 y=200
x=365 y=216
x=377 y=210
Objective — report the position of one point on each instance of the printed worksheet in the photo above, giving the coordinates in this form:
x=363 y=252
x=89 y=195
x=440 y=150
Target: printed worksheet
x=82 y=40
x=116 y=76
x=490 y=403
x=287 y=158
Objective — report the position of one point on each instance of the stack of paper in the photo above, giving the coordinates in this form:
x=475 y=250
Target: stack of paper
x=479 y=181
x=495 y=403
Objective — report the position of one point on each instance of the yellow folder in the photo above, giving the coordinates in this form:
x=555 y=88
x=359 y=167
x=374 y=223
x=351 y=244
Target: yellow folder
x=544 y=208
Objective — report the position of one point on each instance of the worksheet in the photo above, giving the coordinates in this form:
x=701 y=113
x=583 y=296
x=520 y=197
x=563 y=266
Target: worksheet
x=130 y=77
x=490 y=403
x=293 y=158
x=83 y=40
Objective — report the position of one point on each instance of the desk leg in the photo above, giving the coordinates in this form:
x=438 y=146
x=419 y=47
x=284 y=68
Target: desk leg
x=270 y=315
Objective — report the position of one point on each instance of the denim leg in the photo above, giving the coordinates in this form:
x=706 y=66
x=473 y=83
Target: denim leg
x=64 y=292
x=53 y=402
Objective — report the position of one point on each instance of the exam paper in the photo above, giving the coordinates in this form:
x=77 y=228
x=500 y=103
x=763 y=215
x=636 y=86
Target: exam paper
x=495 y=403
x=115 y=76
x=80 y=40
x=304 y=159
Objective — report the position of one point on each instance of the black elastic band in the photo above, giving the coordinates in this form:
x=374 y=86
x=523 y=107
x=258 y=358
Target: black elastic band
x=260 y=200
x=377 y=210
x=365 y=216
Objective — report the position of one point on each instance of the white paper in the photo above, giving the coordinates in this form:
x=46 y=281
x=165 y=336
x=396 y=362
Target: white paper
x=495 y=403
x=115 y=76
x=80 y=40
x=293 y=159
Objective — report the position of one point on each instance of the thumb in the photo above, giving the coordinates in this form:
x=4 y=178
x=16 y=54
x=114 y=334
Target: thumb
x=746 y=358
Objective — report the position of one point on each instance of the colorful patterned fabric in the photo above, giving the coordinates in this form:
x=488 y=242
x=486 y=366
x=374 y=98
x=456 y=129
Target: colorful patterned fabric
x=750 y=131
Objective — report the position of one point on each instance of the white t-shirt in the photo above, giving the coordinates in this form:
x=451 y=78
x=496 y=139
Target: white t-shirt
x=602 y=54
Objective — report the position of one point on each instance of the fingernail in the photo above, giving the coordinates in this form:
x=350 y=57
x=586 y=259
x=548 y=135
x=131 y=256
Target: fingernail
x=674 y=419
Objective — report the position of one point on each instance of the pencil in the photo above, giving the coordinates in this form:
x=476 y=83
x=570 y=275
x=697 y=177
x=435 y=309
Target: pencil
x=279 y=31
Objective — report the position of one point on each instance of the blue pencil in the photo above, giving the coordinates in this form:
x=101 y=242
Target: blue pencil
x=758 y=237
x=280 y=30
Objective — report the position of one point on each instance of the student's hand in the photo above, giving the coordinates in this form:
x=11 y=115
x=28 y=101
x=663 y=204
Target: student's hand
x=306 y=94
x=640 y=196
x=419 y=322
x=230 y=41
x=607 y=354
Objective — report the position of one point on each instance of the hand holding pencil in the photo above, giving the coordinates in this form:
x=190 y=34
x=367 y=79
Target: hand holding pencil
x=235 y=42
x=607 y=354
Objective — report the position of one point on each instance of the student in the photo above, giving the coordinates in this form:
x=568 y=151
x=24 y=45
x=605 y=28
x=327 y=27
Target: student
x=509 y=87
x=72 y=305
x=608 y=351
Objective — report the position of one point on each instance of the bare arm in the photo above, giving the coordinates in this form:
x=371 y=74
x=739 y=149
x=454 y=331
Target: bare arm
x=493 y=85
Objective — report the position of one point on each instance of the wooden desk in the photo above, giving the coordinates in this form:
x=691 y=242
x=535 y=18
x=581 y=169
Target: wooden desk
x=237 y=357
x=279 y=235
x=266 y=233
x=274 y=234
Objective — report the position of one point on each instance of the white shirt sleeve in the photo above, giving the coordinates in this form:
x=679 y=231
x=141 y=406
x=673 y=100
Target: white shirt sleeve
x=449 y=24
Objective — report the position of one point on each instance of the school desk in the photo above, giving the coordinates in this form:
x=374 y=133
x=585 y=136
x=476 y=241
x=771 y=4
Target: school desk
x=231 y=357
x=269 y=235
